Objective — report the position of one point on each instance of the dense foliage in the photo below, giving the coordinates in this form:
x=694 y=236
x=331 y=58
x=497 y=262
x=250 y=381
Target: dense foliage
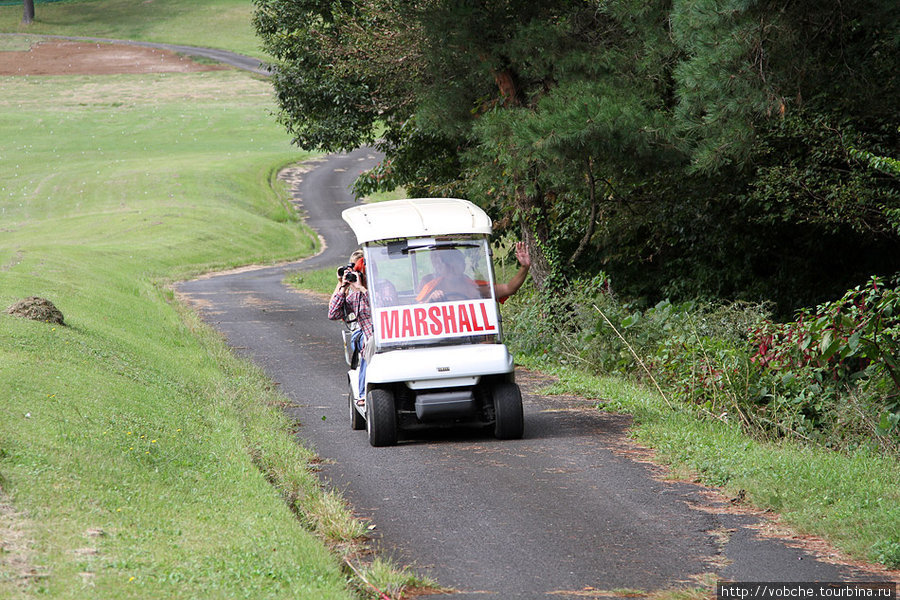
x=705 y=148
x=831 y=377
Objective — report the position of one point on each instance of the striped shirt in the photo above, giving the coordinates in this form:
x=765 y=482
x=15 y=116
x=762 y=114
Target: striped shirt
x=354 y=302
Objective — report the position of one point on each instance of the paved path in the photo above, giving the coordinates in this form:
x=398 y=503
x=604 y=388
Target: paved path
x=570 y=511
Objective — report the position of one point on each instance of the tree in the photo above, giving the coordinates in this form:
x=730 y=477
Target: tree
x=705 y=148
x=469 y=69
x=28 y=12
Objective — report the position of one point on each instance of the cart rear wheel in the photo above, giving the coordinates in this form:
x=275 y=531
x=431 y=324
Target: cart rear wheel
x=357 y=421
x=510 y=420
x=381 y=418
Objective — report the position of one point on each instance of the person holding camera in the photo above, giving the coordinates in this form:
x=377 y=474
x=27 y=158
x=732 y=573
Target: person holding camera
x=351 y=297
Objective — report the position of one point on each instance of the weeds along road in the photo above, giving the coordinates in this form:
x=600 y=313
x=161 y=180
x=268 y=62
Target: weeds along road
x=569 y=511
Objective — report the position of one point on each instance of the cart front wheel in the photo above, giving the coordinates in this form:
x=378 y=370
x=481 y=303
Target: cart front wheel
x=381 y=417
x=510 y=420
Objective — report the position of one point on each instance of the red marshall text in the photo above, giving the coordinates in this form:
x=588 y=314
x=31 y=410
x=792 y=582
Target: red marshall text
x=439 y=320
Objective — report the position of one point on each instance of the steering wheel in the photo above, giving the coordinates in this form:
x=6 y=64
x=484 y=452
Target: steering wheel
x=452 y=296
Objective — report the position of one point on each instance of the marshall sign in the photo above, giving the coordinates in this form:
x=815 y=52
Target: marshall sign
x=427 y=321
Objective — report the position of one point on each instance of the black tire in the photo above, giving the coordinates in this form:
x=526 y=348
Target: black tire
x=357 y=421
x=381 y=417
x=510 y=418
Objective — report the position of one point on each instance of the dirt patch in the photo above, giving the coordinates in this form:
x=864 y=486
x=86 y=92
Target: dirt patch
x=16 y=551
x=37 y=309
x=93 y=58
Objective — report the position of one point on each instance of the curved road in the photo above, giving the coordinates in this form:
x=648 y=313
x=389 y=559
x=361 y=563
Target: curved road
x=570 y=511
x=246 y=63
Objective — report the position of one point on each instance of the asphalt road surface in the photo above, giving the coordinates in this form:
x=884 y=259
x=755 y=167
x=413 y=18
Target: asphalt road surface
x=570 y=511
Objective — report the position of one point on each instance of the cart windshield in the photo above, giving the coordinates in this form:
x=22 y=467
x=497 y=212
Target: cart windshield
x=428 y=291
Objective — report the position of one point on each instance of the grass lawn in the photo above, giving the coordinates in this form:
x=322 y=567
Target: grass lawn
x=222 y=24
x=136 y=452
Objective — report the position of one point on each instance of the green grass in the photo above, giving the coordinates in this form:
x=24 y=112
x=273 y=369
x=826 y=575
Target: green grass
x=222 y=24
x=320 y=282
x=852 y=500
x=143 y=459
x=159 y=175
x=17 y=43
x=396 y=194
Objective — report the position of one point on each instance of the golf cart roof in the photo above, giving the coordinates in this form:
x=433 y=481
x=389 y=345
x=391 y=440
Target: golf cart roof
x=415 y=217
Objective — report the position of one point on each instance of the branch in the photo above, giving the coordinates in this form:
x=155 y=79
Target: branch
x=638 y=358
x=592 y=194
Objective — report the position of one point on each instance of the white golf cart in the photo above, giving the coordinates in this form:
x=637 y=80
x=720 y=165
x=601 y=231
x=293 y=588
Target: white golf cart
x=437 y=356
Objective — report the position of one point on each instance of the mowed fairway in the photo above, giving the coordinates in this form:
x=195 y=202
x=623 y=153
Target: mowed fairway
x=136 y=453
x=208 y=23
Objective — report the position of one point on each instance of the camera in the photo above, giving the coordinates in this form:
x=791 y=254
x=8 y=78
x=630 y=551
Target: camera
x=347 y=274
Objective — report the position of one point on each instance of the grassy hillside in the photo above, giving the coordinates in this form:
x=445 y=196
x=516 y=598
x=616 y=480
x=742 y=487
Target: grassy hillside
x=137 y=455
x=210 y=23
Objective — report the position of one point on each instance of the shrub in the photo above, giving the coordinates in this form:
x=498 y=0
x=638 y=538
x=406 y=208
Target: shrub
x=841 y=348
x=830 y=377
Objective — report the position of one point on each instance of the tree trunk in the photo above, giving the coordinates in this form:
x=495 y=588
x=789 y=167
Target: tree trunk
x=506 y=83
x=535 y=234
x=28 y=12
x=592 y=217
